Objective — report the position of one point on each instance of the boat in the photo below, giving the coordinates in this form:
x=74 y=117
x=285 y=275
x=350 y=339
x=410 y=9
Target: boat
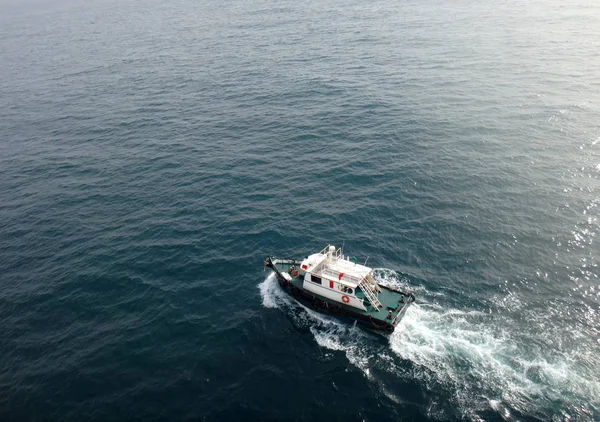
x=337 y=284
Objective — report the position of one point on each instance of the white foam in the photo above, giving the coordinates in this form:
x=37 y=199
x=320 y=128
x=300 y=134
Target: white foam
x=347 y=340
x=272 y=296
x=474 y=356
x=328 y=332
x=392 y=279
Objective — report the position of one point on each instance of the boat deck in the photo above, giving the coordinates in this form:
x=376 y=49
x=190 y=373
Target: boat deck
x=392 y=300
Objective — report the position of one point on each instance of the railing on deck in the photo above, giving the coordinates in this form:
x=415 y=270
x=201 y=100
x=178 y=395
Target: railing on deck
x=336 y=254
x=370 y=293
x=335 y=275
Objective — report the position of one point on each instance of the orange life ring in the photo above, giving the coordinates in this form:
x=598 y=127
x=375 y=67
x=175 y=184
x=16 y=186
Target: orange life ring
x=345 y=299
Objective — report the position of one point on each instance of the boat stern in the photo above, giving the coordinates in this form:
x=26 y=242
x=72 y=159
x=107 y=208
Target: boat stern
x=394 y=306
x=403 y=304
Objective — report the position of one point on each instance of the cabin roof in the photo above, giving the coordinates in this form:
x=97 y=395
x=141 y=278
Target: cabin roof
x=332 y=265
x=342 y=271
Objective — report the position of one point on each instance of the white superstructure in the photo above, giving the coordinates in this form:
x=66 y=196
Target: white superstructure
x=336 y=277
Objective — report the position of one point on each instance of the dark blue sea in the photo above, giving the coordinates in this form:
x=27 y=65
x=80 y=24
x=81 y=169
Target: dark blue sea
x=152 y=153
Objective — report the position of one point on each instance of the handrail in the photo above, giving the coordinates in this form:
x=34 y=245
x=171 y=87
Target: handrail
x=347 y=277
x=337 y=253
x=370 y=294
x=324 y=249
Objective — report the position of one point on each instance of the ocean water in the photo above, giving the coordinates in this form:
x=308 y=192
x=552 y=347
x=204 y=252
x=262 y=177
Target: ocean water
x=153 y=153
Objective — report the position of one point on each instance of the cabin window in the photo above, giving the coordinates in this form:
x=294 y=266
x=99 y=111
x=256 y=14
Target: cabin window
x=347 y=290
x=315 y=279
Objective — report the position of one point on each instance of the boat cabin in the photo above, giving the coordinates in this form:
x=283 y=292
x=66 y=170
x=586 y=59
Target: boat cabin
x=339 y=278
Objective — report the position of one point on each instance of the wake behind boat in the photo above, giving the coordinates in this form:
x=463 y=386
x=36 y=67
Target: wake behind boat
x=335 y=283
